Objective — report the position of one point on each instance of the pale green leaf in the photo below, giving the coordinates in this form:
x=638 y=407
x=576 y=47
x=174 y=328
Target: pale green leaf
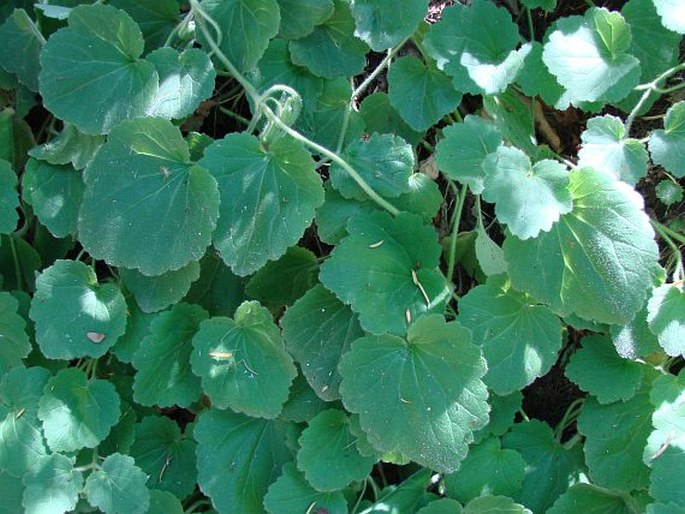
x=158 y=292
x=247 y=26
x=77 y=413
x=666 y=318
x=669 y=192
x=489 y=254
x=386 y=380
x=92 y=74
x=9 y=199
x=460 y=154
x=588 y=498
x=599 y=370
x=52 y=485
x=667 y=146
x=159 y=208
x=598 y=261
x=74 y=315
x=299 y=17
x=382 y=25
x=386 y=271
x=118 y=486
x=529 y=198
x=69 y=146
x=606 y=147
x=243 y=363
x=164 y=375
x=14 y=342
x=634 y=339
x=520 y=339
x=318 y=329
x=20 y=46
x=268 y=197
x=238 y=457
x=672 y=14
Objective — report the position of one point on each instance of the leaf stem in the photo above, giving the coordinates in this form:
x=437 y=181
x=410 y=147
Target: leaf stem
x=15 y=258
x=456 y=219
x=234 y=115
x=569 y=417
x=531 y=27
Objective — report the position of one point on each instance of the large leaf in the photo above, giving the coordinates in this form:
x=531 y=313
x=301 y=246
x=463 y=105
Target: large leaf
x=666 y=318
x=520 y=339
x=667 y=146
x=118 y=486
x=158 y=208
x=528 y=198
x=77 y=413
x=386 y=270
x=382 y=25
x=243 y=363
x=53 y=485
x=14 y=342
x=74 y=315
x=20 y=45
x=598 y=261
x=671 y=13
x=238 y=458
x=164 y=376
x=268 y=197
x=422 y=396
x=588 y=56
x=92 y=75
x=9 y=199
x=476 y=46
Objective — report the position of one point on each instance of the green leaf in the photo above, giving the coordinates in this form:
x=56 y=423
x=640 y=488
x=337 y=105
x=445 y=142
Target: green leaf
x=494 y=504
x=422 y=94
x=512 y=115
x=550 y=468
x=671 y=12
x=667 y=146
x=634 y=339
x=606 y=147
x=165 y=456
x=156 y=18
x=292 y=494
x=528 y=198
x=487 y=469
x=283 y=281
x=303 y=403
x=70 y=146
x=599 y=260
x=247 y=26
x=409 y=496
x=380 y=116
x=159 y=209
x=217 y=290
x=489 y=254
x=386 y=380
x=21 y=438
x=318 y=329
x=77 y=413
x=424 y=197
x=442 y=506
x=14 y=491
x=55 y=192
x=158 y=292
x=137 y=327
x=243 y=363
x=74 y=315
x=268 y=197
x=384 y=161
x=475 y=45
x=185 y=80
x=163 y=502
x=546 y=5
x=14 y=342
x=663 y=508
x=520 y=339
x=299 y=17
x=385 y=269
x=666 y=318
x=503 y=410
x=615 y=438
x=588 y=498
x=536 y=80
x=669 y=193
x=599 y=370
x=52 y=485
x=328 y=456
x=164 y=376
x=381 y=25
x=588 y=56
x=20 y=46
x=118 y=487
x=95 y=62
x=333 y=215
x=460 y=154
x=9 y=199
x=238 y=458
x=19 y=263
x=331 y=50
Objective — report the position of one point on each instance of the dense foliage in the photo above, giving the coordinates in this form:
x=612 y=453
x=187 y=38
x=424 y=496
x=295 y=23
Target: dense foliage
x=325 y=256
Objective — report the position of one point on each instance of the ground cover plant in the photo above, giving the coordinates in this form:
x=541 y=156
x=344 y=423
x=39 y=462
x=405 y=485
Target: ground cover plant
x=331 y=256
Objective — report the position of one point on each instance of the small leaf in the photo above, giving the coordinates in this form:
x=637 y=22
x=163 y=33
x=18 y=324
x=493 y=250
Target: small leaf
x=489 y=254
x=52 y=485
x=588 y=498
x=156 y=18
x=218 y=290
x=385 y=379
x=528 y=198
x=77 y=413
x=303 y=403
x=164 y=376
x=385 y=162
x=300 y=17
x=238 y=457
x=670 y=193
x=634 y=339
x=606 y=147
x=14 y=342
x=118 y=486
x=667 y=146
x=381 y=282
x=9 y=199
x=461 y=153
x=243 y=363
x=666 y=318
x=442 y=506
x=380 y=116
x=381 y=25
x=20 y=46
x=159 y=292
x=71 y=146
x=68 y=305
x=599 y=370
